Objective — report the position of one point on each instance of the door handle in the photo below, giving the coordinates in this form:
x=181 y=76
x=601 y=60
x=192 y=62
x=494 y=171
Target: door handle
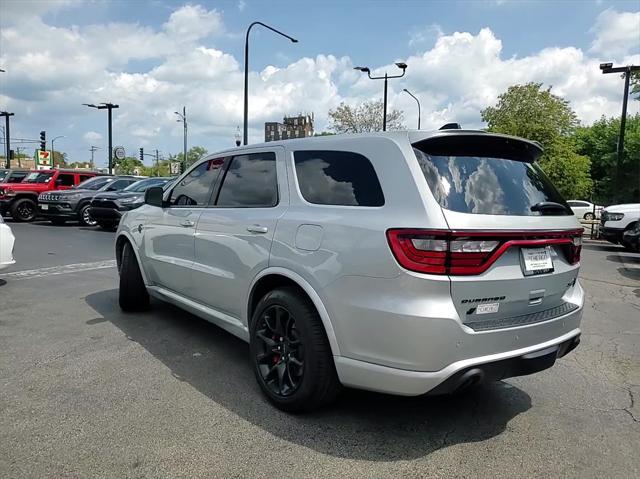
x=187 y=223
x=257 y=229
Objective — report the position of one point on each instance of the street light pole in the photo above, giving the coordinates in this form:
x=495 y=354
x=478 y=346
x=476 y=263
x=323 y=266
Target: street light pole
x=183 y=119
x=626 y=73
x=246 y=73
x=403 y=67
x=109 y=107
x=53 y=156
x=7 y=142
x=417 y=101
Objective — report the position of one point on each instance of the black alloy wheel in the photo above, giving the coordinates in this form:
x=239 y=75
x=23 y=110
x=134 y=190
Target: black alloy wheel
x=279 y=352
x=23 y=210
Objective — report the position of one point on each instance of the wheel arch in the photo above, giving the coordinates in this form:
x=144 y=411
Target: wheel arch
x=273 y=277
x=121 y=240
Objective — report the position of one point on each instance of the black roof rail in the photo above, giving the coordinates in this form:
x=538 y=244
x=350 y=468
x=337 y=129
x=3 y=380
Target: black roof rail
x=451 y=126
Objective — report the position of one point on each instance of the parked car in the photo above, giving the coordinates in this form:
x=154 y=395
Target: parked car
x=617 y=219
x=584 y=209
x=21 y=199
x=400 y=262
x=74 y=204
x=631 y=238
x=107 y=208
x=12 y=175
x=7 y=241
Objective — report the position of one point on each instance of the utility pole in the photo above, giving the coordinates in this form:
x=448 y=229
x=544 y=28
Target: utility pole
x=93 y=150
x=157 y=164
x=109 y=107
x=7 y=143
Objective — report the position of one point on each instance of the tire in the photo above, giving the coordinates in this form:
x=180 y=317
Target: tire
x=628 y=246
x=85 y=218
x=289 y=385
x=589 y=216
x=107 y=225
x=133 y=294
x=58 y=221
x=23 y=210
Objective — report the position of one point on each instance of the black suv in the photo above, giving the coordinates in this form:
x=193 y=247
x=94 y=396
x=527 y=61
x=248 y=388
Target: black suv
x=73 y=205
x=107 y=208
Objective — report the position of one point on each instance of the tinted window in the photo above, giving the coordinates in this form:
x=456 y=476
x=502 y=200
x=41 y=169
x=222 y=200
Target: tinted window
x=16 y=177
x=143 y=185
x=3 y=174
x=250 y=181
x=117 y=185
x=195 y=188
x=85 y=178
x=337 y=178
x=487 y=185
x=65 y=180
x=94 y=183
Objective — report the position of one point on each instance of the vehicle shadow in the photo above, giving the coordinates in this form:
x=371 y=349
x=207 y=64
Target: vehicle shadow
x=604 y=247
x=626 y=259
x=360 y=425
x=633 y=274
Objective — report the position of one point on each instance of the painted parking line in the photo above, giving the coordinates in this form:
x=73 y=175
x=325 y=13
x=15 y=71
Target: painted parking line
x=58 y=270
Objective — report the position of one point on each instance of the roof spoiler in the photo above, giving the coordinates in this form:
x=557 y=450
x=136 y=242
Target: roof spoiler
x=451 y=126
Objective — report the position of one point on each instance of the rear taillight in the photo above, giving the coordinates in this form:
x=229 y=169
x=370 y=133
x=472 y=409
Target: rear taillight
x=471 y=252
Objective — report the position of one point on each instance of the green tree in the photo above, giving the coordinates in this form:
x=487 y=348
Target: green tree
x=364 y=118
x=599 y=142
x=634 y=82
x=531 y=112
x=129 y=166
x=195 y=153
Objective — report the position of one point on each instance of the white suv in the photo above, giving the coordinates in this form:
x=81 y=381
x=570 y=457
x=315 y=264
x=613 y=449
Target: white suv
x=402 y=262
x=616 y=219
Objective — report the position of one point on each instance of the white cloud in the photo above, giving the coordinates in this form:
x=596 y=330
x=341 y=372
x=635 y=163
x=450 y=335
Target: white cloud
x=193 y=22
x=242 y=5
x=617 y=34
x=92 y=137
x=54 y=70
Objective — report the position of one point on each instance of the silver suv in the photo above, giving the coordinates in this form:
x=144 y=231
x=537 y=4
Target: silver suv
x=404 y=262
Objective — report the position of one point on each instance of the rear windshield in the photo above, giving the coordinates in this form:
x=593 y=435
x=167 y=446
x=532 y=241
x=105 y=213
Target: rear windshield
x=487 y=185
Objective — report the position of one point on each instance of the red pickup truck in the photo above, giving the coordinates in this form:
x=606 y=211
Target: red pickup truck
x=21 y=199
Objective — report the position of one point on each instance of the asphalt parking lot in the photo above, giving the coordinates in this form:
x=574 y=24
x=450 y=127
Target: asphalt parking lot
x=88 y=391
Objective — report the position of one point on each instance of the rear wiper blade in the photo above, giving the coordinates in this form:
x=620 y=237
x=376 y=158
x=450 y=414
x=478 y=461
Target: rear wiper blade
x=548 y=206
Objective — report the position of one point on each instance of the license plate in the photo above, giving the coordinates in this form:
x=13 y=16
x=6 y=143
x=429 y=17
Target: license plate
x=536 y=261
x=44 y=207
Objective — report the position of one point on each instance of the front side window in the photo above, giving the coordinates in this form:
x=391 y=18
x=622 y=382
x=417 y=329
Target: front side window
x=250 y=182
x=195 y=188
x=485 y=184
x=65 y=180
x=337 y=178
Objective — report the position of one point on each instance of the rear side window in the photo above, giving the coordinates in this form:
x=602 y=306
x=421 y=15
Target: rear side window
x=65 y=180
x=486 y=184
x=337 y=178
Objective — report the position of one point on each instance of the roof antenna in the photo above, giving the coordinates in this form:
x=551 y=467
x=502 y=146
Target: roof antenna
x=451 y=126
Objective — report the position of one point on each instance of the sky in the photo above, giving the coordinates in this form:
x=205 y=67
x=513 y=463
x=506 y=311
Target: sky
x=154 y=57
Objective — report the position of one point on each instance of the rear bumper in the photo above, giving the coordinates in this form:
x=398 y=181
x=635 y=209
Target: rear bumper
x=458 y=375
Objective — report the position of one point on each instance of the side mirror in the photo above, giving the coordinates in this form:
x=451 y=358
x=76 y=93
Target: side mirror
x=153 y=196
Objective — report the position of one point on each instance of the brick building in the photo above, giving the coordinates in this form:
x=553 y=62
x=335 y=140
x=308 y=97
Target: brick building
x=300 y=126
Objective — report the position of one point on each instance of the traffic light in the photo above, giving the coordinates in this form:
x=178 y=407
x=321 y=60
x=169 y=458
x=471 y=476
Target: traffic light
x=43 y=140
x=142 y=155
